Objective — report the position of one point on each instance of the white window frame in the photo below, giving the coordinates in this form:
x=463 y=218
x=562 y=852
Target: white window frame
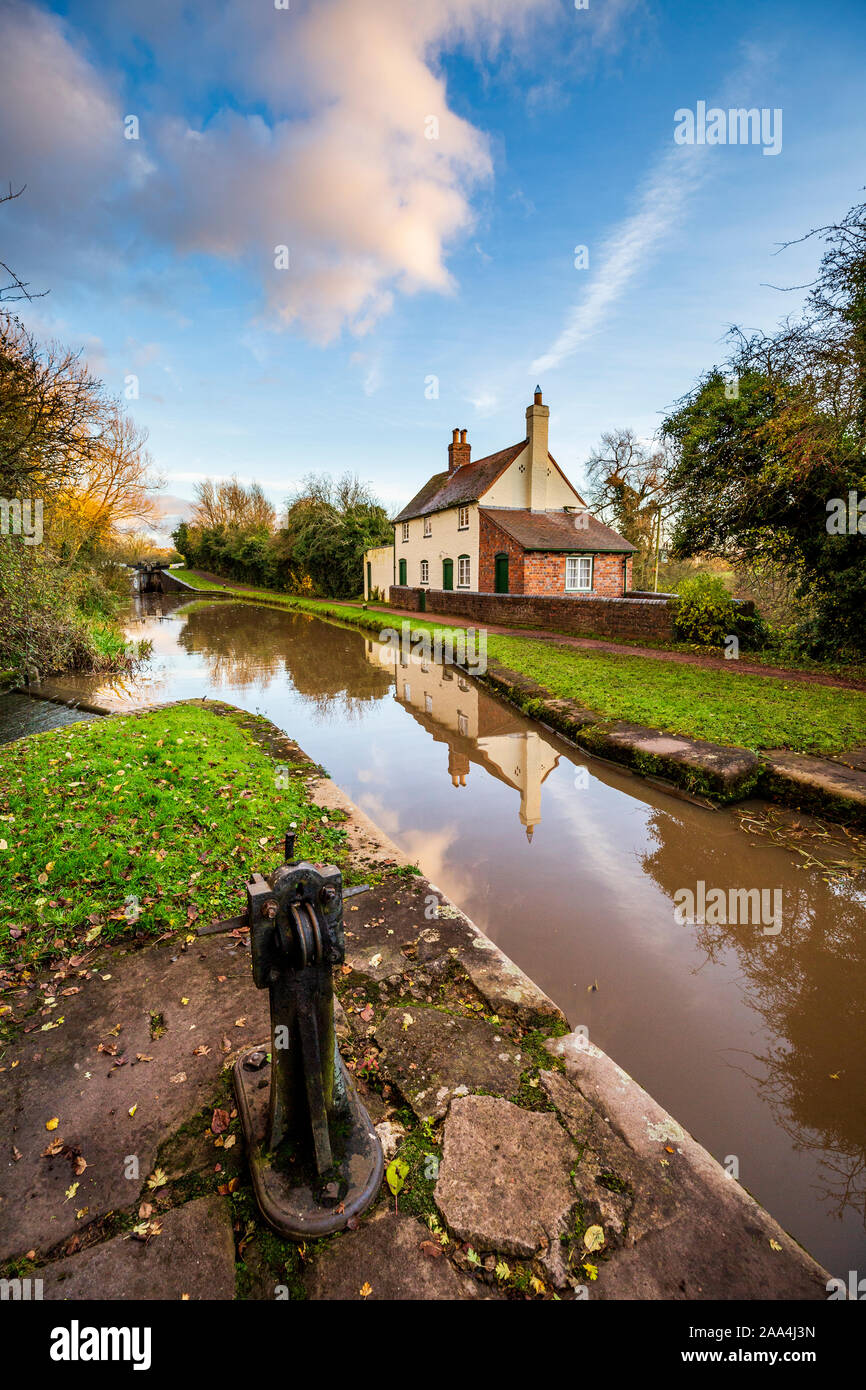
x=578 y=560
x=425 y=571
x=462 y=518
x=464 y=561
x=428 y=527
x=405 y=535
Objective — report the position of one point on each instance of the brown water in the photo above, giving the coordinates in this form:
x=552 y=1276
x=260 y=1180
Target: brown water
x=753 y=1041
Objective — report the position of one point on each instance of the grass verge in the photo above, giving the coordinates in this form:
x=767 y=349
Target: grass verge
x=127 y=828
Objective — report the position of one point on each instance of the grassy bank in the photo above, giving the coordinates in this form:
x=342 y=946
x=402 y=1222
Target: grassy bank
x=740 y=710
x=745 y=711
x=59 y=617
x=131 y=827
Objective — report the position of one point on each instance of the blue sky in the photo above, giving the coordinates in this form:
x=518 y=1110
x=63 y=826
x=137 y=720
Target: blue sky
x=412 y=257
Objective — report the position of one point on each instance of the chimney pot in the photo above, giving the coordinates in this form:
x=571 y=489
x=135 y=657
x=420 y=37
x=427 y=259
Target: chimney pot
x=458 y=450
x=538 y=400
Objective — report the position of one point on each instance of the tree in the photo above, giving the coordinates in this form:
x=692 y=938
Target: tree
x=627 y=490
x=51 y=413
x=115 y=489
x=15 y=289
x=328 y=527
x=765 y=448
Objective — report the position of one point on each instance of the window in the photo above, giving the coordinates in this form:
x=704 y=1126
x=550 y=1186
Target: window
x=407 y=691
x=428 y=526
x=462 y=724
x=462 y=519
x=425 y=571
x=405 y=530
x=463 y=572
x=578 y=572
x=428 y=704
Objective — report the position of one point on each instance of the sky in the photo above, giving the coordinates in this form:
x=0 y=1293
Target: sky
x=317 y=235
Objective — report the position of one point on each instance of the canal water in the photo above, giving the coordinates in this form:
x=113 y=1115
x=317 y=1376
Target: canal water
x=752 y=1038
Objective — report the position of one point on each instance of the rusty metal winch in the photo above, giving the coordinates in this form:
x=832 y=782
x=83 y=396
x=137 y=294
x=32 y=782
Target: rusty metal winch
x=315 y=1158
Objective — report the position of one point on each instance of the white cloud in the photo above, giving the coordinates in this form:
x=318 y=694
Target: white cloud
x=660 y=209
x=324 y=149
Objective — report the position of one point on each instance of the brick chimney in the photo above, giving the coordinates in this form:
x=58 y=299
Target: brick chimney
x=537 y=417
x=458 y=450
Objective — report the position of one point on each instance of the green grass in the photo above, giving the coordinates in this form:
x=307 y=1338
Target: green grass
x=746 y=711
x=174 y=809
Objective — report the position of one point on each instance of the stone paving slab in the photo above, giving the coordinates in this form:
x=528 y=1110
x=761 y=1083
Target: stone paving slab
x=700 y=1235
x=62 y=1075
x=504 y=1183
x=433 y=1056
x=391 y=1255
x=192 y=1257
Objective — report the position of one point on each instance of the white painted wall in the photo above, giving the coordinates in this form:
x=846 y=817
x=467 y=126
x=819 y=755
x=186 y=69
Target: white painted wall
x=446 y=542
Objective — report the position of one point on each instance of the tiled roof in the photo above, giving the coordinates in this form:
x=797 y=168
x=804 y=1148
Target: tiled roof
x=465 y=484
x=558 y=531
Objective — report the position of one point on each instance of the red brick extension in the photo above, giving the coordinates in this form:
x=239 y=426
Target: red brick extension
x=535 y=572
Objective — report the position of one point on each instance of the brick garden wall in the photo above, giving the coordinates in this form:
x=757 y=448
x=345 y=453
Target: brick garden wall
x=579 y=614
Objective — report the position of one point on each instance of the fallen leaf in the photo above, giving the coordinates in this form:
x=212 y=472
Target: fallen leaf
x=593 y=1238
x=80 y=1165
x=219 y=1121
x=132 y=1109
x=430 y=1249
x=52 y=1124
x=365 y=1290
x=396 y=1174
x=178 y=1077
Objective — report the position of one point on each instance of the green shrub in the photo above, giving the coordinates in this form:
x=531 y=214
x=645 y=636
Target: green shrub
x=706 y=613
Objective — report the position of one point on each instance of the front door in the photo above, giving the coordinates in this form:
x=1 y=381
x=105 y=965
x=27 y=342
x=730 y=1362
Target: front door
x=369 y=579
x=402 y=571
x=447 y=574
x=501 y=574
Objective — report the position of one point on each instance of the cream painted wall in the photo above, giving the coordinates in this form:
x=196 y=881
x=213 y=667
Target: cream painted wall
x=381 y=561
x=512 y=489
x=446 y=542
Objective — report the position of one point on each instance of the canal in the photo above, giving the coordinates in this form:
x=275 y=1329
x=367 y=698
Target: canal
x=752 y=1039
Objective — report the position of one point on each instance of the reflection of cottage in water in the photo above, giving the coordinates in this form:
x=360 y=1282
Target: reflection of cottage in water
x=476 y=728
